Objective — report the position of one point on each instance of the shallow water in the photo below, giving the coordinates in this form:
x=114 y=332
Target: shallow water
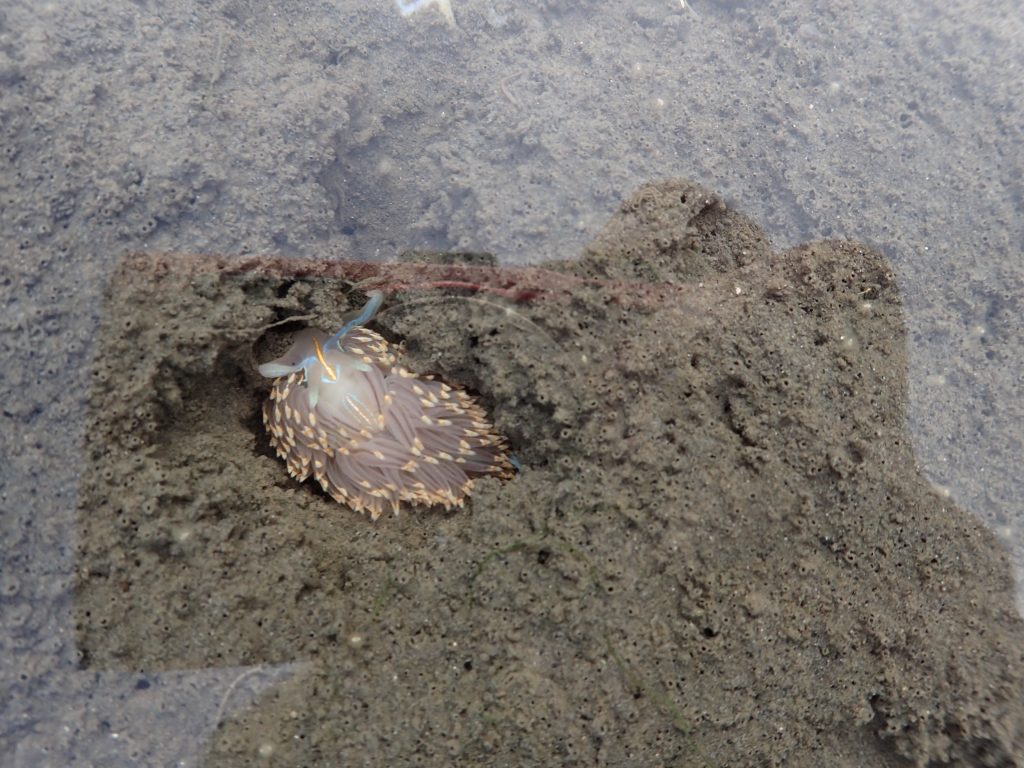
x=336 y=131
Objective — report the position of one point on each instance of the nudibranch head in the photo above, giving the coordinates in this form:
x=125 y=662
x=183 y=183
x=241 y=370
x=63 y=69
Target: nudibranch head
x=370 y=432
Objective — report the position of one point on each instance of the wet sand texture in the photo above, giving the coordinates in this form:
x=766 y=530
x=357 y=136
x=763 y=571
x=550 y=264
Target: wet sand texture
x=720 y=550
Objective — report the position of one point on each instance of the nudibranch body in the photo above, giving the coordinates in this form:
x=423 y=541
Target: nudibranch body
x=370 y=432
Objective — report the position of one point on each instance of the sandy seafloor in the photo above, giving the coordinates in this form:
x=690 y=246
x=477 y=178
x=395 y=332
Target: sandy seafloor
x=769 y=512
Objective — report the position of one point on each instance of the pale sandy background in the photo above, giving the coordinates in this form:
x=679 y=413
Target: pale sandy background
x=343 y=130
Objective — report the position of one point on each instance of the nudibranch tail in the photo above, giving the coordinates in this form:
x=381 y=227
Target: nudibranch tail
x=370 y=432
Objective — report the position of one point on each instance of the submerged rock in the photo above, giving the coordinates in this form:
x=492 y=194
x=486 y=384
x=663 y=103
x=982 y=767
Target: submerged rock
x=720 y=549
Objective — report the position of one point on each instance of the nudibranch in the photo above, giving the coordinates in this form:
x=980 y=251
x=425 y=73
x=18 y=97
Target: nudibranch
x=370 y=432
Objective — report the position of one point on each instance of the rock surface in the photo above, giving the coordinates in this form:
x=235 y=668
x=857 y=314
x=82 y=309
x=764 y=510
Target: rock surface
x=720 y=550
